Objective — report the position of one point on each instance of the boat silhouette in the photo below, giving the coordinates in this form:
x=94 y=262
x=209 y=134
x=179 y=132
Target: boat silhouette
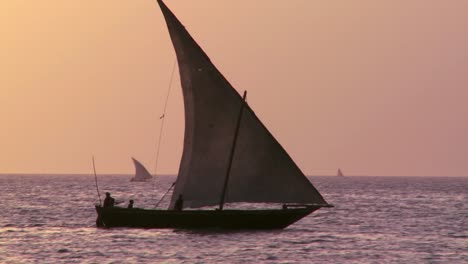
x=229 y=157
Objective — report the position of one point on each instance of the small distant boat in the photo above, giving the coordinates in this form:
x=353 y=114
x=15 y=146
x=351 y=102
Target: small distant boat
x=141 y=173
x=340 y=173
x=229 y=156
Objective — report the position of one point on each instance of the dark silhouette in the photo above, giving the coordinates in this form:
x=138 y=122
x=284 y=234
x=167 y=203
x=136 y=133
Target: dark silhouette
x=130 y=204
x=206 y=116
x=109 y=201
x=179 y=204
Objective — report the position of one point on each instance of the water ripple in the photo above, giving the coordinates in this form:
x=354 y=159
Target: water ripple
x=50 y=219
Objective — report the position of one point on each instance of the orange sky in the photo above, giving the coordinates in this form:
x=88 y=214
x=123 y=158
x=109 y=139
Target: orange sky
x=372 y=87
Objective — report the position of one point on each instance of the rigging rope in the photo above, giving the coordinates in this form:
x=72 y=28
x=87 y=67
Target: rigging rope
x=162 y=118
x=168 y=190
x=95 y=178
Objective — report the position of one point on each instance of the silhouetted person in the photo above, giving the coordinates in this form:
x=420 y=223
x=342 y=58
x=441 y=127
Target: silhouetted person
x=108 y=201
x=179 y=204
x=130 y=204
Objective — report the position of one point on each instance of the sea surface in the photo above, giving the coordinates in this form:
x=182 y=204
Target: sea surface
x=51 y=219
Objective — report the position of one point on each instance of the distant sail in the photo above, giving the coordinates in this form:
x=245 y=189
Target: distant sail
x=141 y=173
x=340 y=173
x=262 y=171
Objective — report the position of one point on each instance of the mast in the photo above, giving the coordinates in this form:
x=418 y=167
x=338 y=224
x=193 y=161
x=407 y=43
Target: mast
x=231 y=156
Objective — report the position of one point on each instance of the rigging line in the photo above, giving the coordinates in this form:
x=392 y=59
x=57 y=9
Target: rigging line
x=162 y=118
x=95 y=178
x=168 y=190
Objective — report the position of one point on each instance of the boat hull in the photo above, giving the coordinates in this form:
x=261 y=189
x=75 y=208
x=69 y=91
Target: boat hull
x=201 y=219
x=140 y=180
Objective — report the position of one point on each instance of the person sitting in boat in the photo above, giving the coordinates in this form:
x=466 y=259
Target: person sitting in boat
x=130 y=204
x=109 y=201
x=179 y=204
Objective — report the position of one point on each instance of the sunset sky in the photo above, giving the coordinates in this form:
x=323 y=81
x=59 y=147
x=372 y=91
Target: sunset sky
x=371 y=87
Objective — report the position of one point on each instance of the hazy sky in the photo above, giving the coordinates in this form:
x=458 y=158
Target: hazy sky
x=372 y=87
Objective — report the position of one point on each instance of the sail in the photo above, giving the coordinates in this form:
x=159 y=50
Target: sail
x=340 y=173
x=262 y=171
x=141 y=173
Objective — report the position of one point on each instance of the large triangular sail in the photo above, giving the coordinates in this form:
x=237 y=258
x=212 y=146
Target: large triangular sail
x=141 y=173
x=262 y=171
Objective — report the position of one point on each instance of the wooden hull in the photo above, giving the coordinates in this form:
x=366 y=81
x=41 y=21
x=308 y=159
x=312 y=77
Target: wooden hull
x=201 y=219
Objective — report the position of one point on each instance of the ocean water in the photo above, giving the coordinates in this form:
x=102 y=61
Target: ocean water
x=51 y=219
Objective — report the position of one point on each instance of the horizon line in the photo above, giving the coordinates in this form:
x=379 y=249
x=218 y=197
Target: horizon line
x=174 y=174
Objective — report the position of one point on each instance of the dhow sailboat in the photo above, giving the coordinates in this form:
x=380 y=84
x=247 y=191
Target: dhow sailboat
x=229 y=157
x=141 y=173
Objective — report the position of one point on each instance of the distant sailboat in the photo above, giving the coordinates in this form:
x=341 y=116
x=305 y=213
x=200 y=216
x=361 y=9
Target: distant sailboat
x=229 y=156
x=340 y=173
x=141 y=173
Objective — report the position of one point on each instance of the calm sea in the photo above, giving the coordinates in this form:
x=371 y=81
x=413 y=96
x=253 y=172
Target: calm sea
x=50 y=219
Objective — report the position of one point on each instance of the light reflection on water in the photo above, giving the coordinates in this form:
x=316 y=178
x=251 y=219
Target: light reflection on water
x=50 y=219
